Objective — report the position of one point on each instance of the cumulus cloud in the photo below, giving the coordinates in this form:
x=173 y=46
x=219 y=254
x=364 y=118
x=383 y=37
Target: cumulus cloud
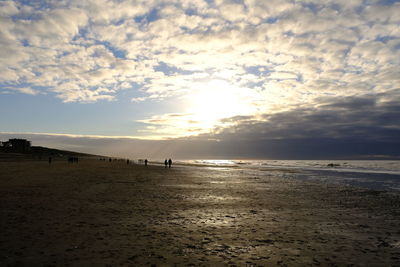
x=288 y=53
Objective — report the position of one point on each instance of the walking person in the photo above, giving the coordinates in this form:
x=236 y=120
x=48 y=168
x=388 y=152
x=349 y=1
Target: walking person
x=145 y=162
x=166 y=163
x=169 y=163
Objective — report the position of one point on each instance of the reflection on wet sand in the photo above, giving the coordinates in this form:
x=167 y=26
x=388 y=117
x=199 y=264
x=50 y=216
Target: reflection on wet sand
x=96 y=213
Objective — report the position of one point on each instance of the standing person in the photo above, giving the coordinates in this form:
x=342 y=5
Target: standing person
x=145 y=162
x=169 y=163
x=50 y=159
x=166 y=163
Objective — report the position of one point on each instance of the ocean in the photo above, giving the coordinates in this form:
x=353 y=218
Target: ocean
x=371 y=174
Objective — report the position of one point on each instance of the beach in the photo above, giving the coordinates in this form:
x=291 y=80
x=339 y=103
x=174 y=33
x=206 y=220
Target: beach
x=100 y=213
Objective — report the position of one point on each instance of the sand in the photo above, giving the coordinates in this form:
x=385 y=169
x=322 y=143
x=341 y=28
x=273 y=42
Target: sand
x=97 y=213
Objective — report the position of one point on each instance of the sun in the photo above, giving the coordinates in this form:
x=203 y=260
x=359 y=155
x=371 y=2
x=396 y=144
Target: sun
x=215 y=100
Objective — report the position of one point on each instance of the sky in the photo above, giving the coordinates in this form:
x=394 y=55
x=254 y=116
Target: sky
x=270 y=79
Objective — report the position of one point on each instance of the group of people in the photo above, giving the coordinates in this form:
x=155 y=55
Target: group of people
x=167 y=163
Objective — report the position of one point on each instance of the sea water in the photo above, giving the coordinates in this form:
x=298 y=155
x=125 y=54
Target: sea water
x=372 y=174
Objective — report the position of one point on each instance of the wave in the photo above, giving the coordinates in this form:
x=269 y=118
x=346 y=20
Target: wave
x=374 y=174
x=364 y=166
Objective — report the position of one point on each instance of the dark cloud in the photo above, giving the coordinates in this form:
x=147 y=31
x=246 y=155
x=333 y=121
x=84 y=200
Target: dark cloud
x=366 y=117
x=352 y=127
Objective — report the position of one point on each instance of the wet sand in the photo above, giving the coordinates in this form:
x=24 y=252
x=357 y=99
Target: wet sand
x=98 y=213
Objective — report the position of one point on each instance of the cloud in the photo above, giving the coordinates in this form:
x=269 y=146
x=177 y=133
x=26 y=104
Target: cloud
x=366 y=118
x=287 y=53
x=25 y=90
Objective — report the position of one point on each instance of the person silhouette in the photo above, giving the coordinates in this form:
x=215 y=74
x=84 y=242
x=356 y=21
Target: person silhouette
x=169 y=163
x=145 y=162
x=166 y=163
x=50 y=159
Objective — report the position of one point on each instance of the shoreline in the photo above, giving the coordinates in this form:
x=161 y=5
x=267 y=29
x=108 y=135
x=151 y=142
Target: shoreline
x=99 y=213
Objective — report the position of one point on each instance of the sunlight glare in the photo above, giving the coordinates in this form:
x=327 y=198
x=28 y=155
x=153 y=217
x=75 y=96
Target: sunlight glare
x=215 y=100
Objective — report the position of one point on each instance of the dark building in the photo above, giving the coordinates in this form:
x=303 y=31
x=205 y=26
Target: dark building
x=20 y=145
